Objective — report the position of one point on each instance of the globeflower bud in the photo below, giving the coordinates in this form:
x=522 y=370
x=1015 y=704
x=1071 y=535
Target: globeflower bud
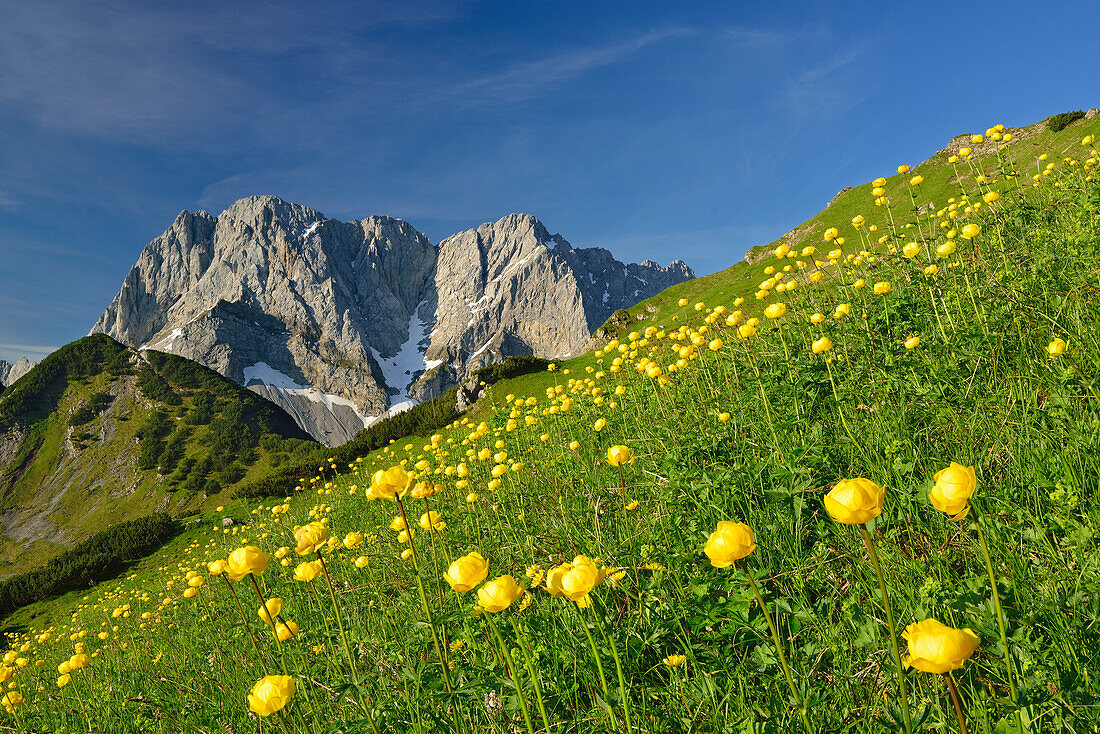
x=970 y=231
x=731 y=542
x=855 y=501
x=823 y=344
x=270 y=694
x=951 y=493
x=466 y=572
x=581 y=577
x=306 y=572
x=246 y=560
x=1056 y=348
x=936 y=648
x=270 y=609
x=388 y=483
x=498 y=594
x=310 y=538
x=432 y=520
x=618 y=455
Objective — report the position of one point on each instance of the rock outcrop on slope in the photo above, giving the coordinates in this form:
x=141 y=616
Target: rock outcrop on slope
x=9 y=372
x=343 y=322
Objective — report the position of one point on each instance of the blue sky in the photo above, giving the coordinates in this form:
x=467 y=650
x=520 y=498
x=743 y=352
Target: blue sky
x=659 y=130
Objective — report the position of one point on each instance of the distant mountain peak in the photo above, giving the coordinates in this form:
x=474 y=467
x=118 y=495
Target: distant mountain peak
x=344 y=322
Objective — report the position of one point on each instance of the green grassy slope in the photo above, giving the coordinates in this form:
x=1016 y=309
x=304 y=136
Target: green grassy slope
x=756 y=430
x=98 y=434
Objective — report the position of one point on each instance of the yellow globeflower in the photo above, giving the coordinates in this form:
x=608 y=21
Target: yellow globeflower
x=498 y=594
x=63 y=680
x=731 y=542
x=882 y=288
x=776 y=310
x=1056 y=348
x=432 y=520
x=745 y=331
x=953 y=488
x=947 y=249
x=917 y=180
x=12 y=700
x=306 y=572
x=831 y=234
x=285 y=630
x=362 y=562
x=388 y=483
x=582 y=576
x=682 y=302
x=823 y=344
x=599 y=425
x=216 y=568
x=990 y=197
x=310 y=538
x=936 y=648
x=270 y=609
x=715 y=345
x=970 y=231
x=782 y=251
x=911 y=250
x=1087 y=140
x=270 y=694
x=855 y=501
x=964 y=152
x=466 y=572
x=723 y=417
x=912 y=342
x=975 y=139
x=246 y=560
x=353 y=540
x=903 y=169
x=618 y=455
x=674 y=661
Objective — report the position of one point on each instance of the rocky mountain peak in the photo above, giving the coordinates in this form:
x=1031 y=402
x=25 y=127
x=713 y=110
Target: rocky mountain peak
x=9 y=373
x=343 y=322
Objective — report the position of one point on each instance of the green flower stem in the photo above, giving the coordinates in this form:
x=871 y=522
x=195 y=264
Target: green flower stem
x=779 y=649
x=1000 y=620
x=524 y=646
x=512 y=672
x=271 y=618
x=599 y=668
x=959 y=713
x=244 y=618
x=839 y=409
x=619 y=673
x=344 y=639
x=424 y=598
x=892 y=627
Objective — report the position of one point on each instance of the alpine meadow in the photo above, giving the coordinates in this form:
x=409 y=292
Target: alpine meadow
x=849 y=484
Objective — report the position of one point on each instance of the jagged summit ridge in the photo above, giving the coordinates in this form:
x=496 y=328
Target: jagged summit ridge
x=9 y=372
x=342 y=322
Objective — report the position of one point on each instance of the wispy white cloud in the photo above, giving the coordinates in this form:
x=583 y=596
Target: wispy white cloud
x=821 y=92
x=26 y=349
x=527 y=78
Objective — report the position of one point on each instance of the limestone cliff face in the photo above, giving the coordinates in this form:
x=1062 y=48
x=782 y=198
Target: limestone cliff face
x=342 y=322
x=9 y=372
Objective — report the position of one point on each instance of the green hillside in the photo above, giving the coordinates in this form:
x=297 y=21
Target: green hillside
x=627 y=598
x=98 y=433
